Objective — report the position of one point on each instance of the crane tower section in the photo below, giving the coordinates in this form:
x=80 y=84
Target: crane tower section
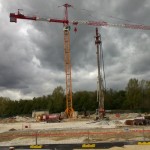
x=69 y=109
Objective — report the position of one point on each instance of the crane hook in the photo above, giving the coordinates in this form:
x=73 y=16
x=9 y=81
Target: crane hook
x=75 y=29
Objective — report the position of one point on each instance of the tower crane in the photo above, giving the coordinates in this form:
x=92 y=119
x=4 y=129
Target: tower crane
x=66 y=24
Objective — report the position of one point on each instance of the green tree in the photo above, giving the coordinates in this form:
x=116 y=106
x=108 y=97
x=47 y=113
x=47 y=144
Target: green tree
x=4 y=102
x=58 y=99
x=145 y=90
x=84 y=100
x=133 y=93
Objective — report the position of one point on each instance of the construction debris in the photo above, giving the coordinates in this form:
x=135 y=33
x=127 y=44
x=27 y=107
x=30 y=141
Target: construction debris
x=145 y=120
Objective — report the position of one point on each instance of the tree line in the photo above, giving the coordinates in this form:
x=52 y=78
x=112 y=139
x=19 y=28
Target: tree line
x=136 y=96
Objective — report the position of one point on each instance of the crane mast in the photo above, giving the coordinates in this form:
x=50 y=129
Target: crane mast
x=69 y=109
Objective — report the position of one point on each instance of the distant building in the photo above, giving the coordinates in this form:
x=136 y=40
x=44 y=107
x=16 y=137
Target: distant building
x=36 y=113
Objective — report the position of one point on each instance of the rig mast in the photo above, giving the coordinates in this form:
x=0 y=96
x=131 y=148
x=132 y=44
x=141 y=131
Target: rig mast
x=100 y=88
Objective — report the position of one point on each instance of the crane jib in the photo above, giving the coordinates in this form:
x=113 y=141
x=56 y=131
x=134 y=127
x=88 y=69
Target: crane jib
x=103 y=23
x=14 y=17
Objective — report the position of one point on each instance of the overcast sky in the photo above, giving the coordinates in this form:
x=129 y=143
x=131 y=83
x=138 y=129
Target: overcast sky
x=32 y=55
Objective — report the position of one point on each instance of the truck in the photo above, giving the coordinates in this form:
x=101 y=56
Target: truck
x=49 y=118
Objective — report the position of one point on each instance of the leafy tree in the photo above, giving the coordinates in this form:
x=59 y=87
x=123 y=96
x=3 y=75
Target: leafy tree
x=136 y=96
x=58 y=99
x=145 y=92
x=114 y=99
x=4 y=101
x=133 y=93
x=84 y=100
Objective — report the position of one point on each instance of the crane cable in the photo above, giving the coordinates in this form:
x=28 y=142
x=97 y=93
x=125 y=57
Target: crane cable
x=103 y=66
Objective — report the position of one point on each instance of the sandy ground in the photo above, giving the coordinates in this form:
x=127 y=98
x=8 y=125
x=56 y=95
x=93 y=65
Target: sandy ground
x=42 y=126
x=26 y=125
x=55 y=126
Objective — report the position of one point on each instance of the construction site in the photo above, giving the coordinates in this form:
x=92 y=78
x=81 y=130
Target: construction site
x=30 y=131
x=72 y=127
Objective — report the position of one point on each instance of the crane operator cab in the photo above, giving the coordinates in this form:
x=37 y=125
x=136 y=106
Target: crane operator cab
x=66 y=28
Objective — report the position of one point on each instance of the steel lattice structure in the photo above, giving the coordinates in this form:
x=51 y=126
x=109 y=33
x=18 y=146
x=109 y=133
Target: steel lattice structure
x=66 y=22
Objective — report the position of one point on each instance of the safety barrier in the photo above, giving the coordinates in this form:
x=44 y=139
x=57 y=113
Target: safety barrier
x=72 y=134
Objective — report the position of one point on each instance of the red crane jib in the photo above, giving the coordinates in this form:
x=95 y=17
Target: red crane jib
x=14 y=17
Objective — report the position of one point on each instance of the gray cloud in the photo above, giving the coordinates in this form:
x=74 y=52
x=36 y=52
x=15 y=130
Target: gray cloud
x=32 y=55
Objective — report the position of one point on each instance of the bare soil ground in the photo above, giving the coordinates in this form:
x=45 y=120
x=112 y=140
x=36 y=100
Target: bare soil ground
x=22 y=130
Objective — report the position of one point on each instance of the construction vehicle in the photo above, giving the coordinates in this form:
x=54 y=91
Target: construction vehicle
x=145 y=120
x=49 y=118
x=66 y=24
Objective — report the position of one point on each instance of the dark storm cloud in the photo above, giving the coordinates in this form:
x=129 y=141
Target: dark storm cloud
x=134 y=11
x=32 y=55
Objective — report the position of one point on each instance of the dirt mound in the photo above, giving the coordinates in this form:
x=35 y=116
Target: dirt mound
x=8 y=120
x=12 y=129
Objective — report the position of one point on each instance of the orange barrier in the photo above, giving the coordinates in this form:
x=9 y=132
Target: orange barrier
x=72 y=134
